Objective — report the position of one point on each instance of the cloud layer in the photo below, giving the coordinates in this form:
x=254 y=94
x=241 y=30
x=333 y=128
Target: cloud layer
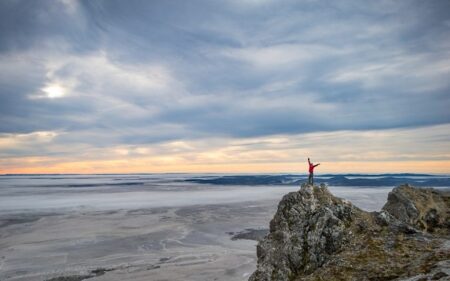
x=99 y=76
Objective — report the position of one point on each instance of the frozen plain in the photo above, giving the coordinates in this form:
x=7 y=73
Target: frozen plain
x=137 y=227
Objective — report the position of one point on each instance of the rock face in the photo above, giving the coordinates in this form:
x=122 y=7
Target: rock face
x=316 y=236
x=425 y=209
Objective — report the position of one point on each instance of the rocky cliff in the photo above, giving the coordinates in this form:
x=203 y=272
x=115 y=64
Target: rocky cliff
x=317 y=236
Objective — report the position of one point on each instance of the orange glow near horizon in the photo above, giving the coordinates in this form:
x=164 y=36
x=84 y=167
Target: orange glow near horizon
x=145 y=166
x=415 y=150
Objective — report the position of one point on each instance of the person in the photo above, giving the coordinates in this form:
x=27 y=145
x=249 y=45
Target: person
x=311 y=172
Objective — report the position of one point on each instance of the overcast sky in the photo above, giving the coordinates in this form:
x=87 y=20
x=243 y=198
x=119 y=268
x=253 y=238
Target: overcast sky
x=227 y=86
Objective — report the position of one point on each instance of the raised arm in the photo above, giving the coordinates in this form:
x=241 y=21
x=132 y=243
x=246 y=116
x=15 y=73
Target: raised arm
x=309 y=162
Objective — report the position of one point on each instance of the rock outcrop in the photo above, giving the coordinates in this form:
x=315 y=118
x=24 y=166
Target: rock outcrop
x=425 y=209
x=317 y=236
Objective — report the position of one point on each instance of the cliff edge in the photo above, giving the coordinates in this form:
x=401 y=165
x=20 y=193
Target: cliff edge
x=317 y=236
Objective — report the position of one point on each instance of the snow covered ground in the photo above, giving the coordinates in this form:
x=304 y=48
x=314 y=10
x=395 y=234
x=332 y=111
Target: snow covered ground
x=137 y=227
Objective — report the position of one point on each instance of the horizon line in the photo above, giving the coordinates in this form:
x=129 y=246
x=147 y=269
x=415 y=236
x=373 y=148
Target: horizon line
x=227 y=173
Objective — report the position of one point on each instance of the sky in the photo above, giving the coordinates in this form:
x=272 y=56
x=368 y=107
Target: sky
x=224 y=86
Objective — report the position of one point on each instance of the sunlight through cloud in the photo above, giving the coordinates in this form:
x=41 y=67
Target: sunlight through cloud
x=54 y=91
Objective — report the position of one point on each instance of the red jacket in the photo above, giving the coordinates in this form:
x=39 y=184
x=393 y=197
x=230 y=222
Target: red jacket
x=311 y=167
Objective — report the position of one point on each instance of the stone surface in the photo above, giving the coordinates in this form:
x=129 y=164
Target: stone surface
x=425 y=209
x=317 y=236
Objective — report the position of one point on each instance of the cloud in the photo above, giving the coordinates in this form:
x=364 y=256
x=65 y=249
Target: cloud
x=283 y=55
x=81 y=91
x=379 y=146
x=114 y=74
x=413 y=72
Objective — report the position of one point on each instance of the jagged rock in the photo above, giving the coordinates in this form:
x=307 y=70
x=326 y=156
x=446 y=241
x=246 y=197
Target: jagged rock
x=425 y=209
x=309 y=226
x=316 y=236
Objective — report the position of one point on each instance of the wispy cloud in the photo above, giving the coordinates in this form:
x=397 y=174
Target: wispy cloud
x=378 y=146
x=131 y=77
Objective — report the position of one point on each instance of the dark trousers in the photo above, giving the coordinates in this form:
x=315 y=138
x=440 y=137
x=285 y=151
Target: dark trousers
x=311 y=179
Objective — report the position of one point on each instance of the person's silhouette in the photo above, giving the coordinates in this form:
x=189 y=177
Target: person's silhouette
x=311 y=172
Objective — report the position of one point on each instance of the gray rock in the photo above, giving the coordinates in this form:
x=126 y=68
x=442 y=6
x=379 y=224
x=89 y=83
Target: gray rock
x=316 y=236
x=426 y=209
x=309 y=226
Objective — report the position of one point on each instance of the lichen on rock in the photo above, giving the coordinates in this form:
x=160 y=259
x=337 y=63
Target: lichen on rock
x=426 y=209
x=317 y=236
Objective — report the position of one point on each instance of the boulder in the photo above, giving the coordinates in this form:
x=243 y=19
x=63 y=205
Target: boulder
x=317 y=236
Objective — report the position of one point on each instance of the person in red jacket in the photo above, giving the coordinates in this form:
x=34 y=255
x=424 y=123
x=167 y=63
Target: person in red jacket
x=311 y=172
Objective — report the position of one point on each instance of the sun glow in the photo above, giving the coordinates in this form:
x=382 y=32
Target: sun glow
x=54 y=91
